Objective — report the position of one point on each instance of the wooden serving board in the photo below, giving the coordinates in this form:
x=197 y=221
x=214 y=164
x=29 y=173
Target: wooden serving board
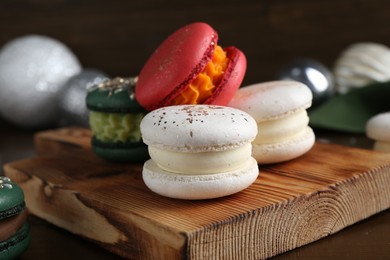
x=290 y=204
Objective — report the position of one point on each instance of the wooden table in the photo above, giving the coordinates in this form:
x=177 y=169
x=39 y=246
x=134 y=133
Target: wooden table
x=368 y=239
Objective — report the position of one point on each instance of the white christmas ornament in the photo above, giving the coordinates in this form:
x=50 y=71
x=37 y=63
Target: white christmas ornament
x=360 y=65
x=33 y=69
x=71 y=100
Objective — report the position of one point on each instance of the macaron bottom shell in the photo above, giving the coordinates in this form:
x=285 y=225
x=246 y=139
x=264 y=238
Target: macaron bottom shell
x=121 y=152
x=382 y=146
x=17 y=244
x=285 y=150
x=201 y=186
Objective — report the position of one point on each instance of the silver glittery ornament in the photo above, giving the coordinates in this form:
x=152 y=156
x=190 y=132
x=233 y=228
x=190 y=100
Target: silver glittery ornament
x=71 y=100
x=32 y=70
x=312 y=73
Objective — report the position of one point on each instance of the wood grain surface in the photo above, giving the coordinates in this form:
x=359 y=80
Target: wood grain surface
x=290 y=204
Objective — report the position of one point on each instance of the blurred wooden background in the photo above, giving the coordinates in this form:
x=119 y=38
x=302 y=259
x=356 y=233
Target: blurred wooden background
x=118 y=36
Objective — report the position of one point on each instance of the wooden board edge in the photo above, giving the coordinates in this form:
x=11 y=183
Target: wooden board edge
x=137 y=238
x=263 y=233
x=62 y=140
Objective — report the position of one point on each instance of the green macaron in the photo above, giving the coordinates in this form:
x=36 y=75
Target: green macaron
x=11 y=198
x=11 y=204
x=114 y=118
x=17 y=244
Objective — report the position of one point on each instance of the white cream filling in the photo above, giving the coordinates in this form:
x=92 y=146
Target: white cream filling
x=278 y=130
x=382 y=146
x=201 y=162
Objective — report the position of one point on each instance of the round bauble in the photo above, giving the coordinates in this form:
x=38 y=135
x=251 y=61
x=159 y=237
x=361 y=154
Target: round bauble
x=71 y=99
x=32 y=70
x=311 y=73
x=362 y=64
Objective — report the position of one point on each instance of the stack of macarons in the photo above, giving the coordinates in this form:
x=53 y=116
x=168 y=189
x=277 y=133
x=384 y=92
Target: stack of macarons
x=187 y=68
x=14 y=229
x=199 y=148
x=378 y=129
x=279 y=108
x=201 y=128
x=114 y=117
x=199 y=151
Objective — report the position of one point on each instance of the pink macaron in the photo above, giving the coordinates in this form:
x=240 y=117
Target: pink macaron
x=190 y=68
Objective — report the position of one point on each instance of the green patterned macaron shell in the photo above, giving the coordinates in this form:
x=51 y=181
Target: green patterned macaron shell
x=114 y=118
x=11 y=198
x=114 y=96
x=121 y=152
x=17 y=244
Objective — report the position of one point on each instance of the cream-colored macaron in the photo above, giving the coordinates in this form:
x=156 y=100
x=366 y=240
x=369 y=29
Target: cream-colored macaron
x=378 y=129
x=279 y=108
x=199 y=151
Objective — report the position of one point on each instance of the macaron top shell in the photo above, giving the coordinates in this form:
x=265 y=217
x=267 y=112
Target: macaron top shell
x=114 y=96
x=11 y=198
x=179 y=60
x=272 y=100
x=198 y=128
x=176 y=62
x=378 y=127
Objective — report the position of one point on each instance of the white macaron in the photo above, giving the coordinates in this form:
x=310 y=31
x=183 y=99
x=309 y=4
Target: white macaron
x=199 y=151
x=279 y=108
x=378 y=129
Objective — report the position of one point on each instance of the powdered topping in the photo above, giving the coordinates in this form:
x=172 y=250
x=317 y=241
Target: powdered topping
x=188 y=127
x=5 y=183
x=116 y=85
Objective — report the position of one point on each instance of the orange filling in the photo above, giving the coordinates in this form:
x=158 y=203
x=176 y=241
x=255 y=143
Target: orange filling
x=202 y=87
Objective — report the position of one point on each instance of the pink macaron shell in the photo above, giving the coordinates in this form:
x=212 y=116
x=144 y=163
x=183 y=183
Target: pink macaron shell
x=177 y=61
x=232 y=79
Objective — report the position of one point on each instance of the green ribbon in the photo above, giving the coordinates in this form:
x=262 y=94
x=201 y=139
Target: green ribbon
x=350 y=112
